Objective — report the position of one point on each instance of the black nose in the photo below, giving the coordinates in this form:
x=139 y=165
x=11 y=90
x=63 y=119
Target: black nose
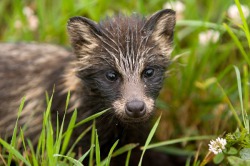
x=135 y=109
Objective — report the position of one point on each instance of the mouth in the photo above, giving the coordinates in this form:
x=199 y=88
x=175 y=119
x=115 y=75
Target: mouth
x=124 y=118
x=135 y=120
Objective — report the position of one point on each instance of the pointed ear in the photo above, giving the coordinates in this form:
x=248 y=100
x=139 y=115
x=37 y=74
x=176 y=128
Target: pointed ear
x=160 y=26
x=83 y=34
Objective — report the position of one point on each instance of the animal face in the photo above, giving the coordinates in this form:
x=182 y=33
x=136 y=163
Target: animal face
x=123 y=60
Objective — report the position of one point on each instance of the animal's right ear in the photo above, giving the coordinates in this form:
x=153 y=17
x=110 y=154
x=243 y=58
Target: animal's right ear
x=83 y=33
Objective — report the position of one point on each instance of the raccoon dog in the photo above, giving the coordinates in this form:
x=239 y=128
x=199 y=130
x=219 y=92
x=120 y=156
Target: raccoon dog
x=118 y=63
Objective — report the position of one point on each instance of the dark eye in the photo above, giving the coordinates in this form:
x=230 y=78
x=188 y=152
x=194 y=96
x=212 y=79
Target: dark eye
x=111 y=75
x=149 y=72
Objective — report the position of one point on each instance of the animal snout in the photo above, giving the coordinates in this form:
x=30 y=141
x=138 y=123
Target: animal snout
x=135 y=108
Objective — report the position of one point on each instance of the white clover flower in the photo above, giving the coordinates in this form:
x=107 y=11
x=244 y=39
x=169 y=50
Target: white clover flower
x=178 y=6
x=209 y=36
x=217 y=146
x=234 y=14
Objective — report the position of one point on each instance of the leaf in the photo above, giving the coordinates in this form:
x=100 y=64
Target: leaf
x=236 y=161
x=232 y=151
x=218 y=158
x=245 y=153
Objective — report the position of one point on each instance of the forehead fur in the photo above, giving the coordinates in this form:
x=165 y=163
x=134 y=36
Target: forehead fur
x=121 y=22
x=124 y=42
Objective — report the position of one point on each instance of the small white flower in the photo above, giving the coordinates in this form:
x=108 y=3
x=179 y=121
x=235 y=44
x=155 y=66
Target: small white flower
x=33 y=22
x=27 y=11
x=31 y=17
x=216 y=146
x=234 y=14
x=209 y=36
x=178 y=6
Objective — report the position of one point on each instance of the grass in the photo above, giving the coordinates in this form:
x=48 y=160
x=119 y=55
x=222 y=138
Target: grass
x=206 y=93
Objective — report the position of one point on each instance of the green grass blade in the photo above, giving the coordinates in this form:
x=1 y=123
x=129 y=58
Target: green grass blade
x=197 y=23
x=246 y=98
x=41 y=145
x=33 y=155
x=176 y=151
x=91 y=118
x=238 y=43
x=239 y=90
x=124 y=149
x=47 y=97
x=46 y=140
x=244 y=21
x=60 y=134
x=179 y=140
x=231 y=107
x=97 y=150
x=79 y=139
x=68 y=132
x=128 y=158
x=67 y=101
x=21 y=107
x=50 y=143
x=14 y=152
x=243 y=111
x=91 y=156
x=74 y=161
x=111 y=152
x=86 y=154
x=150 y=136
x=188 y=161
x=246 y=87
x=24 y=145
x=47 y=112
x=14 y=135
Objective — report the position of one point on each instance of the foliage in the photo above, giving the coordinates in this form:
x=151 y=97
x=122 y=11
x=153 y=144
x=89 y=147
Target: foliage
x=201 y=96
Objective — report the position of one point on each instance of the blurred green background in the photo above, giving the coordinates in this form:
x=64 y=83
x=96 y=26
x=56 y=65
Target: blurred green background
x=191 y=101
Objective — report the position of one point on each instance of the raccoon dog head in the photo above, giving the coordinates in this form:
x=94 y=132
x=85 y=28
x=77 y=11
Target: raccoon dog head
x=123 y=59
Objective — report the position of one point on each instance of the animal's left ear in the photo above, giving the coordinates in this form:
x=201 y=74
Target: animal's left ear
x=160 y=26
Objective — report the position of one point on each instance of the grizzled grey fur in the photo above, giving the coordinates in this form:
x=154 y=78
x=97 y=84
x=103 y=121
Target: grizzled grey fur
x=119 y=63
